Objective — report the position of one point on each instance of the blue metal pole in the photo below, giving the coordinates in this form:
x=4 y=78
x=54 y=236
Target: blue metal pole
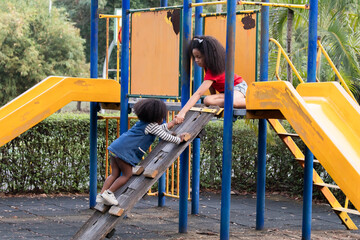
x=261 y=173
x=185 y=95
x=228 y=116
x=196 y=143
x=93 y=106
x=309 y=157
x=124 y=66
x=307 y=205
x=162 y=179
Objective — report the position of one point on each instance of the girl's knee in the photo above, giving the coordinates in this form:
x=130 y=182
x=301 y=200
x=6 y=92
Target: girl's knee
x=208 y=101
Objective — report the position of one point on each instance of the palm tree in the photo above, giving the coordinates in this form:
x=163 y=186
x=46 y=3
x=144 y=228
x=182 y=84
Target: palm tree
x=337 y=25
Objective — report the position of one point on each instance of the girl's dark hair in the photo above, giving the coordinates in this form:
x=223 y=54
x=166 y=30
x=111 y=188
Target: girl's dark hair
x=150 y=110
x=212 y=51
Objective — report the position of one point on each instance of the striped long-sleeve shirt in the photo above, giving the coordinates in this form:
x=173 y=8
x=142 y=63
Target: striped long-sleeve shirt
x=162 y=132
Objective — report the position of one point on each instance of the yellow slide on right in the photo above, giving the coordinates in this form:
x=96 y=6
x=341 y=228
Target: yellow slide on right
x=326 y=118
x=47 y=97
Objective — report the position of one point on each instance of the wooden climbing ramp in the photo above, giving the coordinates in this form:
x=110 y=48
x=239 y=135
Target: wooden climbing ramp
x=104 y=220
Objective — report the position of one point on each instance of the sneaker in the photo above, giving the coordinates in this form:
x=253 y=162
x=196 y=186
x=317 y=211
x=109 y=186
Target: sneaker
x=109 y=198
x=99 y=198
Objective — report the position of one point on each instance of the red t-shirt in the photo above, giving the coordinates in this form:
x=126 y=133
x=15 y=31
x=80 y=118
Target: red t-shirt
x=219 y=80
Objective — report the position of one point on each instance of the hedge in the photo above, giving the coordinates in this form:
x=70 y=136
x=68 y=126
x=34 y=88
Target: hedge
x=53 y=157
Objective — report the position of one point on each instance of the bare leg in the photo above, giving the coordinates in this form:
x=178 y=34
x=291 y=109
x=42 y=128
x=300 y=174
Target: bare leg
x=216 y=99
x=219 y=99
x=239 y=100
x=126 y=170
x=115 y=173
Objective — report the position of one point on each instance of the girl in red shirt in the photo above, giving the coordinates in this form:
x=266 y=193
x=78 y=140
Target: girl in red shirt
x=209 y=54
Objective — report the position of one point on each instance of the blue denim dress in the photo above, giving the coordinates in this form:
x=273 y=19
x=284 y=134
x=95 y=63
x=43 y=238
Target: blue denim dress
x=131 y=146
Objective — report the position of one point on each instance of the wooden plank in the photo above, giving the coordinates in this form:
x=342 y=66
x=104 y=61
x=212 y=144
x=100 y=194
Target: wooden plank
x=101 y=207
x=100 y=224
x=150 y=173
x=116 y=210
x=187 y=137
x=137 y=170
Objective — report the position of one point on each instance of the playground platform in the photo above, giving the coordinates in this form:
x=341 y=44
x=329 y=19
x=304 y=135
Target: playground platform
x=60 y=217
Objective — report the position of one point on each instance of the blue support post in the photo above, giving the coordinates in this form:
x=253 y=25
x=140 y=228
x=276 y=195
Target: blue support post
x=309 y=157
x=228 y=117
x=124 y=66
x=261 y=173
x=185 y=95
x=93 y=106
x=161 y=190
x=162 y=179
x=307 y=201
x=196 y=143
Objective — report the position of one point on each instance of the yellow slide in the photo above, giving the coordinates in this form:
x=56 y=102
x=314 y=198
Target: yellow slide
x=47 y=97
x=327 y=120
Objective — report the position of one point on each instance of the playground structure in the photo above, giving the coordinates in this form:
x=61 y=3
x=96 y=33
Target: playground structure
x=322 y=114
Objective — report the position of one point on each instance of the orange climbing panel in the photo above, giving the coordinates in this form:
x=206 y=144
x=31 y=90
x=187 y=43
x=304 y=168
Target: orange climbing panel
x=155 y=53
x=245 y=41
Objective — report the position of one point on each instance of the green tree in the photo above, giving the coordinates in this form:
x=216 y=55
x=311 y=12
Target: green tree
x=35 y=44
x=338 y=28
x=78 y=11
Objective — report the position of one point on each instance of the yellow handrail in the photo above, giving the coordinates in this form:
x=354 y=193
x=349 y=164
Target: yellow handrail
x=286 y=5
x=306 y=6
x=109 y=16
x=335 y=69
x=281 y=50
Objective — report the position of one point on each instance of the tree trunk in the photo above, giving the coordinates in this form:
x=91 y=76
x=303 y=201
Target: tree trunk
x=78 y=106
x=290 y=19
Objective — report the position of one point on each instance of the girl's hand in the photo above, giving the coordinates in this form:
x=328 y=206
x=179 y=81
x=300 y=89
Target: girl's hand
x=179 y=118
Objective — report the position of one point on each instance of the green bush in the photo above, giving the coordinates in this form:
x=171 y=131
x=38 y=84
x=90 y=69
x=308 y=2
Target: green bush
x=54 y=157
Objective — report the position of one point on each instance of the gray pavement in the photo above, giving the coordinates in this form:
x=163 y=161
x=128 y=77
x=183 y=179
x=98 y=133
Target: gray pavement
x=59 y=217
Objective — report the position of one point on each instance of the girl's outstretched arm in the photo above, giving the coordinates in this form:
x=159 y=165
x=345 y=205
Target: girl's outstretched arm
x=179 y=118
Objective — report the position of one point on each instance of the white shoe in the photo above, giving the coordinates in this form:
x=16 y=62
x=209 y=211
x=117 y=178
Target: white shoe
x=99 y=198
x=109 y=198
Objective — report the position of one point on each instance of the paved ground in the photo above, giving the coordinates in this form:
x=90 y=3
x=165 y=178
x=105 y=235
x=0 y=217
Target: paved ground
x=59 y=217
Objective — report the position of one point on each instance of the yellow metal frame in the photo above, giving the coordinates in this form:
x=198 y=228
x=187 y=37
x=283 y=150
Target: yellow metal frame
x=107 y=17
x=47 y=97
x=306 y=6
x=323 y=114
x=299 y=156
x=282 y=51
x=321 y=48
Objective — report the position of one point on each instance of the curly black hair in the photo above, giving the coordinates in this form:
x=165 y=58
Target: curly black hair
x=150 y=110
x=213 y=52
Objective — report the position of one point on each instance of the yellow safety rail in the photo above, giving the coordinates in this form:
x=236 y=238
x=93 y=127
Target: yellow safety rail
x=282 y=51
x=306 y=6
x=107 y=17
x=321 y=48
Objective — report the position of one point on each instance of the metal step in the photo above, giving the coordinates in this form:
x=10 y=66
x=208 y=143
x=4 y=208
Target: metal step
x=288 y=134
x=351 y=211
x=327 y=185
x=303 y=159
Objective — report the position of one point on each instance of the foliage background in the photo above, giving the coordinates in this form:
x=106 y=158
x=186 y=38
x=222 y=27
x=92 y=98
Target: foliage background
x=35 y=44
x=53 y=157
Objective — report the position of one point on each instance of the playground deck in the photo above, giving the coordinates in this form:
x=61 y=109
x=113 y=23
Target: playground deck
x=60 y=217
